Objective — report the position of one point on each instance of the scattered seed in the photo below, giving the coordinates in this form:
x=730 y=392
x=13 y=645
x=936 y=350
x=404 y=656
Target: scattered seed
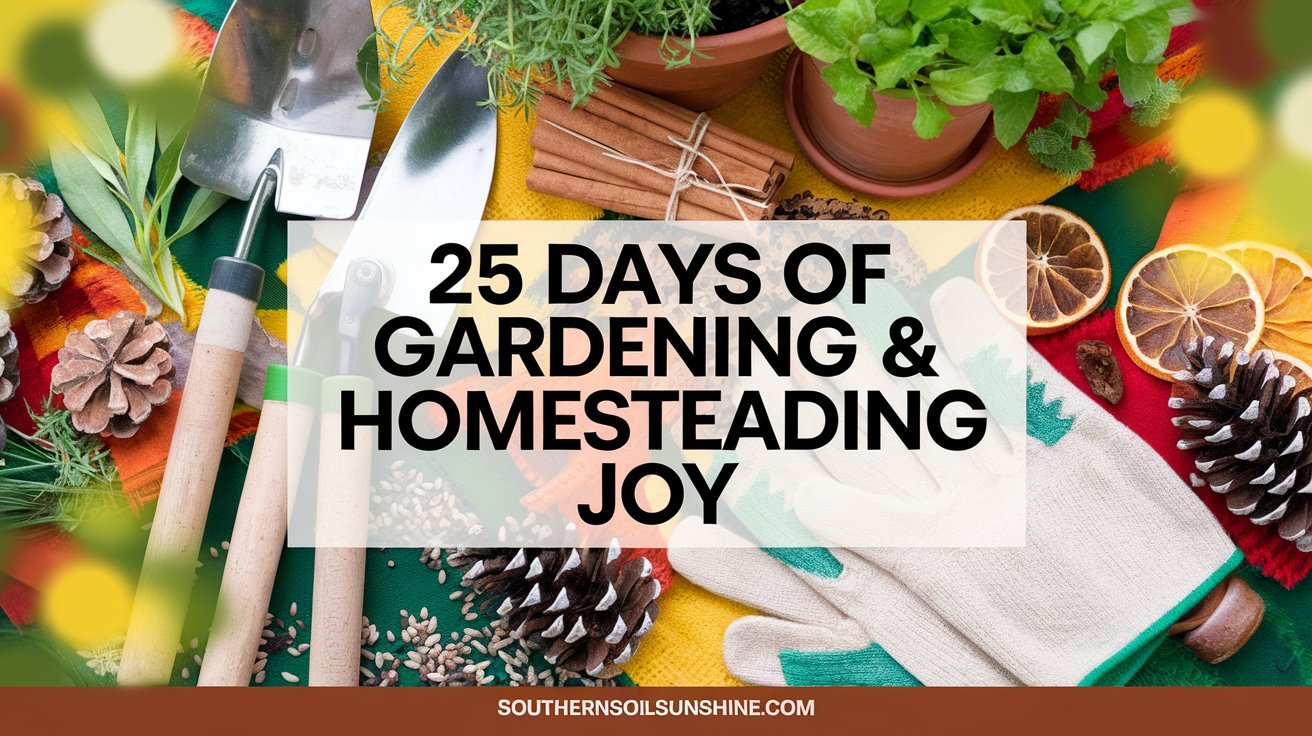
x=289 y=677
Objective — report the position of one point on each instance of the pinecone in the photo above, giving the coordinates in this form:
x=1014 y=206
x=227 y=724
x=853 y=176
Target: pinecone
x=8 y=359
x=113 y=372
x=586 y=609
x=44 y=229
x=1250 y=429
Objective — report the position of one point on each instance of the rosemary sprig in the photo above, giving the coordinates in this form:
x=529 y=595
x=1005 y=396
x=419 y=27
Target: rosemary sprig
x=521 y=42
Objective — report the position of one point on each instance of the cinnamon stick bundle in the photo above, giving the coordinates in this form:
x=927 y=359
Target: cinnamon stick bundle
x=621 y=151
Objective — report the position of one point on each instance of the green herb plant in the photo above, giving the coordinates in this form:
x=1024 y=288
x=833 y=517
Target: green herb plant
x=521 y=42
x=56 y=475
x=1003 y=52
x=130 y=195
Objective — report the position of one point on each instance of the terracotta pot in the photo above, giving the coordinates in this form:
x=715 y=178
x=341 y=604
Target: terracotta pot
x=736 y=60
x=889 y=150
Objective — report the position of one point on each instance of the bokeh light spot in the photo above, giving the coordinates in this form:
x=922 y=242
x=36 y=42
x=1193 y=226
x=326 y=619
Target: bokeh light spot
x=1216 y=134
x=132 y=41
x=86 y=604
x=1294 y=115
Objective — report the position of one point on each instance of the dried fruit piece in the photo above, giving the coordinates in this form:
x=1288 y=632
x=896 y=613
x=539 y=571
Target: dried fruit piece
x=1284 y=279
x=1183 y=294
x=1098 y=364
x=1066 y=269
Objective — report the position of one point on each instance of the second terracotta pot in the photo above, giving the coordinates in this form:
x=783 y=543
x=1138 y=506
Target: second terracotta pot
x=889 y=150
x=735 y=61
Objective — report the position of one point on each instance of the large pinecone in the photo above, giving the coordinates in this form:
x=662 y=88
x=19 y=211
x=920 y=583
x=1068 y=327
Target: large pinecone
x=46 y=257
x=8 y=358
x=1250 y=429
x=586 y=609
x=113 y=372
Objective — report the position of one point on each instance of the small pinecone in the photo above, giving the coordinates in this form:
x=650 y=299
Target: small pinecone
x=8 y=359
x=113 y=372
x=47 y=255
x=1250 y=429
x=586 y=609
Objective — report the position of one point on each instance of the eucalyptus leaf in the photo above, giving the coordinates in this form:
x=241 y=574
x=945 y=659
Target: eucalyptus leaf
x=205 y=203
x=94 y=129
x=82 y=187
x=139 y=145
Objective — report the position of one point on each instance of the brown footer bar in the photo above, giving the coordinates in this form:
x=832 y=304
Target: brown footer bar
x=540 y=712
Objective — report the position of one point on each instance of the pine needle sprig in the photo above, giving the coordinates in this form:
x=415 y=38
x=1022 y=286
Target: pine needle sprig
x=55 y=475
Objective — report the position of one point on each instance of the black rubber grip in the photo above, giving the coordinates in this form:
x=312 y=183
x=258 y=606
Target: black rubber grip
x=233 y=275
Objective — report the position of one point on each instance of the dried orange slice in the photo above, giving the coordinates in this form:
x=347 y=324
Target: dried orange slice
x=1066 y=273
x=1284 y=279
x=1184 y=293
x=1299 y=369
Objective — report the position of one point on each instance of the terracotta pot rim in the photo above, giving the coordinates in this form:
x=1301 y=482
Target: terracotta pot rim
x=636 y=45
x=968 y=163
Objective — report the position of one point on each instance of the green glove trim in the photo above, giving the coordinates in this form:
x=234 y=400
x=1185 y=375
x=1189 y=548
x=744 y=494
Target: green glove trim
x=871 y=666
x=1043 y=419
x=816 y=561
x=999 y=387
x=1121 y=667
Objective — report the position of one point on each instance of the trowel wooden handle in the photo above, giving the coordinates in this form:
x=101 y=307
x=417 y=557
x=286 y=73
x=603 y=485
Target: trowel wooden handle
x=257 y=535
x=341 y=530
x=160 y=605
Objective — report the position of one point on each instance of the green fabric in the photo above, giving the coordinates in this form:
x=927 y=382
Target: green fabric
x=1280 y=652
x=871 y=666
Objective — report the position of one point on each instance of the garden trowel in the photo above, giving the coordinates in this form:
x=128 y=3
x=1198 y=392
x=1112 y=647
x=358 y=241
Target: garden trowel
x=284 y=115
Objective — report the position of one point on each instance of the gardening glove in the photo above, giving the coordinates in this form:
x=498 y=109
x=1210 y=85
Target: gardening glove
x=864 y=604
x=1117 y=548
x=834 y=618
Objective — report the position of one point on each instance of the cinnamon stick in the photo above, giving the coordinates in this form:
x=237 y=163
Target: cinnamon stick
x=657 y=124
x=558 y=151
x=675 y=118
x=657 y=153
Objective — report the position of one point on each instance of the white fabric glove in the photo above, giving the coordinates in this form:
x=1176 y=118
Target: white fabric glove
x=1117 y=548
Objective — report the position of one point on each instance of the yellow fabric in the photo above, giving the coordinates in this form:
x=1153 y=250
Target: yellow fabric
x=685 y=649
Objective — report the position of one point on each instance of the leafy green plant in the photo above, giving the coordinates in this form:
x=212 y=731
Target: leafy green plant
x=56 y=475
x=1003 y=52
x=521 y=42
x=129 y=195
